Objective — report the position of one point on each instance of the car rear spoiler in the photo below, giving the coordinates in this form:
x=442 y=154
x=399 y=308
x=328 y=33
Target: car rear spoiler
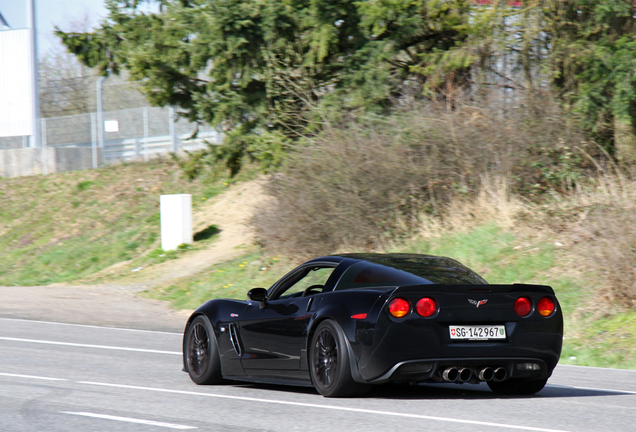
x=473 y=289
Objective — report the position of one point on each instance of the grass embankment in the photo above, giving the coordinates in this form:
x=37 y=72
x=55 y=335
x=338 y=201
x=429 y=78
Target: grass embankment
x=63 y=227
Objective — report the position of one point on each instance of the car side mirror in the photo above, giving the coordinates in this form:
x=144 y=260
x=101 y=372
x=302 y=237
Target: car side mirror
x=259 y=295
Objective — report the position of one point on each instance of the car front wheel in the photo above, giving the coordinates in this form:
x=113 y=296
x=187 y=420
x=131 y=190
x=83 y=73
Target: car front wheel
x=201 y=354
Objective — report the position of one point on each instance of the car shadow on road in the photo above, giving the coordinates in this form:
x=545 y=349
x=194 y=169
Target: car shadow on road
x=445 y=391
x=481 y=391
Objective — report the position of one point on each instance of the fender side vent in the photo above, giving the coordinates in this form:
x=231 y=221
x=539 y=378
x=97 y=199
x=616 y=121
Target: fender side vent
x=236 y=344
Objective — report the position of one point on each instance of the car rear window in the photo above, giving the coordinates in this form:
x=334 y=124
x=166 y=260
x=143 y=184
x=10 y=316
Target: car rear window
x=406 y=272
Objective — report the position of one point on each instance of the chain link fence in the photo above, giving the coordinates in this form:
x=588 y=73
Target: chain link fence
x=127 y=134
x=130 y=129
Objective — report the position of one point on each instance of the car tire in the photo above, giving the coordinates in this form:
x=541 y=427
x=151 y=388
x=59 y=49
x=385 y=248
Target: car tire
x=517 y=387
x=201 y=352
x=329 y=363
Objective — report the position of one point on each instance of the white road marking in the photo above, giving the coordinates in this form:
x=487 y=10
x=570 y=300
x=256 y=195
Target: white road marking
x=130 y=420
x=89 y=346
x=33 y=377
x=91 y=326
x=328 y=407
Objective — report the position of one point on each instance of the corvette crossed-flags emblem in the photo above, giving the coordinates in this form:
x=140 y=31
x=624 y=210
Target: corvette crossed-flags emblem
x=477 y=303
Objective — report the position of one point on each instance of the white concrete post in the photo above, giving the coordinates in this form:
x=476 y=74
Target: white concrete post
x=176 y=220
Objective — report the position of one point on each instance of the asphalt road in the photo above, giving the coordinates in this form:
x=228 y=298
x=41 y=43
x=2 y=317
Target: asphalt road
x=67 y=377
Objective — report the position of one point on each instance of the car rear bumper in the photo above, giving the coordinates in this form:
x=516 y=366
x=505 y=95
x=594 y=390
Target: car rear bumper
x=433 y=369
x=391 y=350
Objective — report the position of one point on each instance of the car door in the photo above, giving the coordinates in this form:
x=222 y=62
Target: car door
x=273 y=333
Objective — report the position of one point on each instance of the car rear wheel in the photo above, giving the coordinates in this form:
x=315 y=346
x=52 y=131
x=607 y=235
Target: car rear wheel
x=329 y=363
x=201 y=353
x=517 y=387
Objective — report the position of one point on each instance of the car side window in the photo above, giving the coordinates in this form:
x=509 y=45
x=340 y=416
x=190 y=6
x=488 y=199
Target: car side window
x=314 y=278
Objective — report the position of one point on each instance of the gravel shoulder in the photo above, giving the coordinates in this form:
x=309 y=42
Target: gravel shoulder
x=109 y=306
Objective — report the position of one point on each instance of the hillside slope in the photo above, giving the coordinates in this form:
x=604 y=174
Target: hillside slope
x=229 y=213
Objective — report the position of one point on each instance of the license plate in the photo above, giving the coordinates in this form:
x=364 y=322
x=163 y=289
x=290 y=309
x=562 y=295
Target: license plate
x=478 y=332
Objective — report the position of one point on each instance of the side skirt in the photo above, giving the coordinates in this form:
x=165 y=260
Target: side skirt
x=270 y=380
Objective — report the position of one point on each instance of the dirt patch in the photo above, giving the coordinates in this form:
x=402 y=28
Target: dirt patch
x=230 y=213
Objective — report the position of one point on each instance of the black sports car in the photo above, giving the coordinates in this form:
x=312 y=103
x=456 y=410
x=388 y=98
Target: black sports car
x=342 y=323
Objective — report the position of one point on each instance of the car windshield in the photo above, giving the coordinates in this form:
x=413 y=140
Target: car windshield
x=391 y=271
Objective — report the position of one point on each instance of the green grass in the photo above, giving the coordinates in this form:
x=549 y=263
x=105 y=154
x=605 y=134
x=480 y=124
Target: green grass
x=503 y=258
x=231 y=279
x=489 y=250
x=202 y=240
x=603 y=342
x=67 y=226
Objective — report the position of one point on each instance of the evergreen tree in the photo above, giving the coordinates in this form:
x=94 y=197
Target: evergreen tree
x=593 y=62
x=260 y=68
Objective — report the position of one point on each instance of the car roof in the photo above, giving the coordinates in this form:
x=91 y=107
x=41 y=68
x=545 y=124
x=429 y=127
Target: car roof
x=416 y=264
x=388 y=258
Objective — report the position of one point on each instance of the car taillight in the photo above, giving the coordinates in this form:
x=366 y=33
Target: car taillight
x=523 y=306
x=399 y=307
x=426 y=307
x=545 y=307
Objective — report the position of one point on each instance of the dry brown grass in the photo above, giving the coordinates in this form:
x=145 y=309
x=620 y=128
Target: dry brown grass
x=595 y=224
x=593 y=228
x=492 y=202
x=602 y=231
x=367 y=182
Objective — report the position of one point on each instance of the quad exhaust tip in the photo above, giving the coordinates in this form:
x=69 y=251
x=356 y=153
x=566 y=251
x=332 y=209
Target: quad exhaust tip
x=450 y=374
x=500 y=374
x=464 y=374
x=486 y=374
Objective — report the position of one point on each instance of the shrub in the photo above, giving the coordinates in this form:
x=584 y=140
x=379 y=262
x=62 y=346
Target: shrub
x=365 y=181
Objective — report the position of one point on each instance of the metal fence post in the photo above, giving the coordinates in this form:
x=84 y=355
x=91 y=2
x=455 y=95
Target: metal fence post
x=173 y=135
x=35 y=83
x=45 y=169
x=146 y=134
x=100 y=116
x=94 y=139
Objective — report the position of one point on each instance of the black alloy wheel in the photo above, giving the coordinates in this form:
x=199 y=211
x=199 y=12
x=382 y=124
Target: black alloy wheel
x=326 y=358
x=201 y=353
x=329 y=363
